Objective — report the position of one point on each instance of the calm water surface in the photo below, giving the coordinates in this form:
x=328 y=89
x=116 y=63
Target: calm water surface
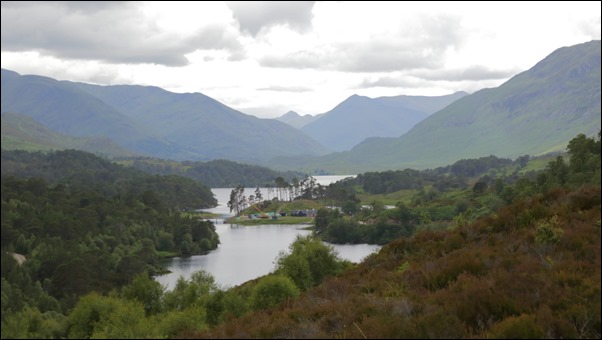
x=247 y=252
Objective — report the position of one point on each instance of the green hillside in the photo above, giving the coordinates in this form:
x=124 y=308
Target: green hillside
x=535 y=112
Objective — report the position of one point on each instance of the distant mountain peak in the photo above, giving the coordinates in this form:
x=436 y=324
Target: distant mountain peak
x=295 y=120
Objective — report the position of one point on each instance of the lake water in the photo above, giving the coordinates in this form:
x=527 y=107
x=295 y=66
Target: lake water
x=247 y=252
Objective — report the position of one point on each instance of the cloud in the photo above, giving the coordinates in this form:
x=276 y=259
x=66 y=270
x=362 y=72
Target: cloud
x=255 y=15
x=110 y=32
x=387 y=82
x=421 y=43
x=280 y=88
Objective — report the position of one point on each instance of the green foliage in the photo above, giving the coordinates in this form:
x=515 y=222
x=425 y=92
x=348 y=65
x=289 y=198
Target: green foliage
x=30 y=323
x=95 y=315
x=272 y=290
x=146 y=291
x=193 y=293
x=175 y=323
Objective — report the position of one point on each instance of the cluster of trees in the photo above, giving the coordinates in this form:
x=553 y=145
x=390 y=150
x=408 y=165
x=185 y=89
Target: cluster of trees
x=307 y=188
x=77 y=236
x=443 y=178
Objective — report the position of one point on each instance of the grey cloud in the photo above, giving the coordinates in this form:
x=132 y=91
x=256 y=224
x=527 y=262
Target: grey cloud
x=279 y=88
x=476 y=72
x=112 y=32
x=254 y=15
x=386 y=82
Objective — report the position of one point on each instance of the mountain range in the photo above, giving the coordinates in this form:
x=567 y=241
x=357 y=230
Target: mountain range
x=152 y=121
x=535 y=112
x=359 y=117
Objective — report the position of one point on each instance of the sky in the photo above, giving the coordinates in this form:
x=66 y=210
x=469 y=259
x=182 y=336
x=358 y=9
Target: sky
x=266 y=58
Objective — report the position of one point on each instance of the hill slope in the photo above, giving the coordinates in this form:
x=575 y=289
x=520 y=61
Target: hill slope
x=358 y=118
x=20 y=132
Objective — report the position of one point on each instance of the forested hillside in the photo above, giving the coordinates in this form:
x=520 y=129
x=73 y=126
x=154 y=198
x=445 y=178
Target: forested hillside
x=218 y=173
x=84 y=170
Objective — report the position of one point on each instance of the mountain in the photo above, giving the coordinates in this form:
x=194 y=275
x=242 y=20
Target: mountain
x=21 y=132
x=198 y=122
x=358 y=118
x=535 y=112
x=66 y=109
x=295 y=120
x=152 y=121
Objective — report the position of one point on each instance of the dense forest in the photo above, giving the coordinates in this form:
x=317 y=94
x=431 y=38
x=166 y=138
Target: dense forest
x=77 y=223
x=495 y=251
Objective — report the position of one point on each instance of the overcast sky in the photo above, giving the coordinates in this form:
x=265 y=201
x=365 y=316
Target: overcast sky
x=266 y=58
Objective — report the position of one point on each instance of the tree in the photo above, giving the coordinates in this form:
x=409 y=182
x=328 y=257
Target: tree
x=237 y=199
x=309 y=254
x=281 y=185
x=146 y=291
x=272 y=290
x=258 y=195
x=321 y=219
x=479 y=187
